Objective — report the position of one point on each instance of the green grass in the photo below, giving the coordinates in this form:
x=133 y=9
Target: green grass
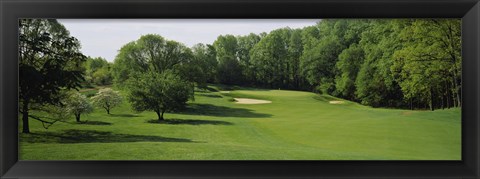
x=295 y=126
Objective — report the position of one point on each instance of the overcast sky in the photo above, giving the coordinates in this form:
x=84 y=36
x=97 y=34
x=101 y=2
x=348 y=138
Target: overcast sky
x=104 y=37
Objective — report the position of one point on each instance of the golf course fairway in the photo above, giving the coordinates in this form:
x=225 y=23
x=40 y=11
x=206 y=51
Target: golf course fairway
x=293 y=125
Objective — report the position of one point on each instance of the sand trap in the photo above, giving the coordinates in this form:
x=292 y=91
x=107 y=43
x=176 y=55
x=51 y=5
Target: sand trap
x=224 y=91
x=336 y=102
x=250 y=101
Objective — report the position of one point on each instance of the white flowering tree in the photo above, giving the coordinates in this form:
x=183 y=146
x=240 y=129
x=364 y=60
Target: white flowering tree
x=78 y=104
x=107 y=99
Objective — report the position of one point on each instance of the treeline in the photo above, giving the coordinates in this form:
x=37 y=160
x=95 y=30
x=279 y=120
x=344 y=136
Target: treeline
x=414 y=63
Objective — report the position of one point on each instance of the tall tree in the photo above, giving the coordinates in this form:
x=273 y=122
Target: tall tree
x=271 y=58
x=348 y=66
x=295 y=50
x=204 y=64
x=245 y=45
x=150 y=53
x=229 y=70
x=50 y=61
x=428 y=66
x=98 y=71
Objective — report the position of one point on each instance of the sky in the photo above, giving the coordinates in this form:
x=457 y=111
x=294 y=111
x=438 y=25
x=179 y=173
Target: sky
x=104 y=37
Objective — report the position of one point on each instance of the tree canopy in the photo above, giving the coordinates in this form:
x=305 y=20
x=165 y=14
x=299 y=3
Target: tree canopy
x=158 y=92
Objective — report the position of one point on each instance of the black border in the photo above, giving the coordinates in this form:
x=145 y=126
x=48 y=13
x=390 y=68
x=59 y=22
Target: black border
x=11 y=10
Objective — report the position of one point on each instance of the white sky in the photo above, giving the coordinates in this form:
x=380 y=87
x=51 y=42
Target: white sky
x=104 y=37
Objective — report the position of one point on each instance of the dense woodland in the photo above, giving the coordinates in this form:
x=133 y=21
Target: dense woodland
x=402 y=63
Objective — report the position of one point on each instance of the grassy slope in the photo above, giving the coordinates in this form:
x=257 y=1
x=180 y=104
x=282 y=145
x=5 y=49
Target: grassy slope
x=297 y=125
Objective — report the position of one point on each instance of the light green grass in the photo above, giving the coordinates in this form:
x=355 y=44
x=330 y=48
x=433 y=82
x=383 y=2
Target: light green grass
x=295 y=126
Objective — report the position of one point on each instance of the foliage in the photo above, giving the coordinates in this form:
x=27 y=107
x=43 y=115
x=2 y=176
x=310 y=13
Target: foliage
x=98 y=72
x=159 y=92
x=400 y=63
x=151 y=53
x=107 y=99
x=229 y=70
x=50 y=61
x=77 y=104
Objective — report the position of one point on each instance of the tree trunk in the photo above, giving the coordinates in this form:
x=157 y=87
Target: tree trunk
x=432 y=107
x=25 y=128
x=108 y=111
x=457 y=93
x=411 y=103
x=77 y=117
x=160 y=115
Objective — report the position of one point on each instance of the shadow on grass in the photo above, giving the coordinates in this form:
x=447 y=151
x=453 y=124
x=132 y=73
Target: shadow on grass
x=221 y=111
x=189 y=122
x=92 y=136
x=209 y=95
x=98 y=123
x=206 y=89
x=124 y=115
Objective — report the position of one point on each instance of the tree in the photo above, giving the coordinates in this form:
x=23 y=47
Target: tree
x=348 y=66
x=245 y=45
x=97 y=71
x=429 y=64
x=159 y=92
x=50 y=61
x=295 y=50
x=107 y=99
x=318 y=64
x=271 y=59
x=78 y=104
x=150 y=53
x=229 y=70
x=204 y=64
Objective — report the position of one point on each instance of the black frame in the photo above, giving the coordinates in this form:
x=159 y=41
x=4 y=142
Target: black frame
x=12 y=10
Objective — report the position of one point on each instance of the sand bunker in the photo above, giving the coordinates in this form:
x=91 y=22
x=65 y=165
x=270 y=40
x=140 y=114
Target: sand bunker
x=336 y=102
x=250 y=101
x=224 y=91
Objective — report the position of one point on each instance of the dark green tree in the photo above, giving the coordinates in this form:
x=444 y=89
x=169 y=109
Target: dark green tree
x=229 y=70
x=50 y=61
x=150 y=53
x=158 y=92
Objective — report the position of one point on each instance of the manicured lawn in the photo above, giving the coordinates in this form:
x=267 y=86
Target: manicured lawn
x=295 y=126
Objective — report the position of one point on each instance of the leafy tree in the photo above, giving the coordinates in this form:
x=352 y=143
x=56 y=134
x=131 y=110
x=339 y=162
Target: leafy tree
x=229 y=70
x=150 y=53
x=107 y=99
x=97 y=71
x=159 y=92
x=318 y=64
x=295 y=50
x=102 y=77
x=428 y=66
x=270 y=56
x=375 y=83
x=204 y=64
x=245 y=45
x=77 y=104
x=50 y=61
x=348 y=66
